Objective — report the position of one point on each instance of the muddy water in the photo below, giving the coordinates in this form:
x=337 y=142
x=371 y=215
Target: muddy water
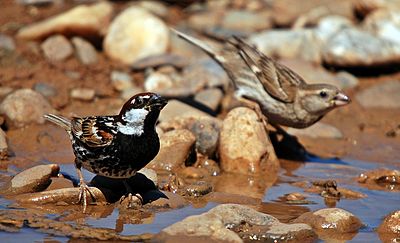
x=370 y=210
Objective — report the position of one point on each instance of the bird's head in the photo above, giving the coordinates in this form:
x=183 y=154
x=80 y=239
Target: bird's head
x=141 y=111
x=319 y=99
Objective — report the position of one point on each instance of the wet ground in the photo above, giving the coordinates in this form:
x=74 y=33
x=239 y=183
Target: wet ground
x=365 y=146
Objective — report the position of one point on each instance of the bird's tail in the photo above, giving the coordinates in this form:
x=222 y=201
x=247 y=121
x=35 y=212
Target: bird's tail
x=59 y=120
x=202 y=45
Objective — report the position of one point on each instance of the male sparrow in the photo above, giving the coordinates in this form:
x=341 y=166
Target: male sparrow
x=115 y=146
x=278 y=92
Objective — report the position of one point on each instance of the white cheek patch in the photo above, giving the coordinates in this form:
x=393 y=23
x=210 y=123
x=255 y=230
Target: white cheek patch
x=134 y=120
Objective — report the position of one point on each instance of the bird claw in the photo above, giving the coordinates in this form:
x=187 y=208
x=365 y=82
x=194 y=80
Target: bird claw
x=133 y=201
x=83 y=191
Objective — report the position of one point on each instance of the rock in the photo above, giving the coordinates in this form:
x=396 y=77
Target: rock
x=210 y=97
x=332 y=219
x=244 y=145
x=197 y=189
x=391 y=224
x=168 y=200
x=38 y=2
x=135 y=34
x=176 y=150
x=6 y=43
x=385 y=24
x=154 y=7
x=176 y=108
x=81 y=20
x=381 y=178
x=84 y=50
x=220 y=224
x=346 y=80
x=245 y=21
x=59 y=183
x=18 y=108
x=205 y=128
x=64 y=196
x=57 y=48
x=382 y=95
x=45 y=89
x=354 y=48
x=330 y=25
x=121 y=80
x=207 y=71
x=85 y=94
x=193 y=172
x=128 y=93
x=156 y=61
x=31 y=180
x=4 y=91
x=3 y=145
x=210 y=165
x=318 y=130
x=301 y=44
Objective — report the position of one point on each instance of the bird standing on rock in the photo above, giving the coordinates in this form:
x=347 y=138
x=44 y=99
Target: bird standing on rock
x=115 y=146
x=271 y=88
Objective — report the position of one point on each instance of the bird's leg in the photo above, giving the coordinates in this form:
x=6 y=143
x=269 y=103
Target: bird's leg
x=130 y=196
x=255 y=107
x=83 y=188
x=290 y=140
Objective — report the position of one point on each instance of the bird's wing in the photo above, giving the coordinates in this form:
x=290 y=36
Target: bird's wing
x=92 y=131
x=279 y=81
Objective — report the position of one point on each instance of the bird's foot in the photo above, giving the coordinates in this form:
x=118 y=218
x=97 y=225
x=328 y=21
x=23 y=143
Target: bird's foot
x=84 y=191
x=255 y=107
x=132 y=201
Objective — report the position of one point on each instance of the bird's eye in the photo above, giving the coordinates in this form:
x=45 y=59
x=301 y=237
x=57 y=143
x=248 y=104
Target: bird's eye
x=323 y=94
x=138 y=101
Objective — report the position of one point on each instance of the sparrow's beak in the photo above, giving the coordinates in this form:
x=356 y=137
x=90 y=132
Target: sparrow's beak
x=341 y=99
x=157 y=102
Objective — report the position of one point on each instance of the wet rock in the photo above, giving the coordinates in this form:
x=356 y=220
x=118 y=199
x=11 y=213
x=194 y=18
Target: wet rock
x=176 y=150
x=156 y=61
x=85 y=20
x=210 y=165
x=197 y=189
x=124 y=44
x=6 y=43
x=332 y=219
x=59 y=183
x=172 y=184
x=381 y=178
x=354 y=48
x=210 y=97
x=193 y=173
x=318 y=130
x=85 y=51
x=34 y=179
x=121 y=80
x=385 y=24
x=85 y=94
x=346 y=80
x=18 y=108
x=176 y=108
x=394 y=132
x=45 y=89
x=57 y=48
x=244 y=144
x=391 y=224
x=167 y=200
x=245 y=21
x=3 y=145
x=301 y=44
x=64 y=196
x=382 y=95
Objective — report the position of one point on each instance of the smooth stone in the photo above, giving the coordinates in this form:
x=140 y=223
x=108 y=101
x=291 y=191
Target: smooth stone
x=171 y=200
x=176 y=108
x=210 y=165
x=59 y=183
x=134 y=34
x=208 y=71
x=6 y=43
x=121 y=80
x=292 y=44
x=18 y=108
x=246 y=21
x=391 y=224
x=211 y=98
x=88 y=20
x=351 y=47
x=156 y=61
x=244 y=145
x=318 y=130
x=45 y=89
x=57 y=48
x=332 y=219
x=381 y=95
x=156 y=8
x=385 y=24
x=31 y=180
x=3 y=145
x=4 y=91
x=330 y=25
x=85 y=51
x=380 y=178
x=176 y=150
x=85 y=94
x=198 y=189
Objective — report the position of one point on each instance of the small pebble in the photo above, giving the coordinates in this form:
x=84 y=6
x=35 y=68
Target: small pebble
x=85 y=51
x=57 y=48
x=121 y=81
x=85 y=94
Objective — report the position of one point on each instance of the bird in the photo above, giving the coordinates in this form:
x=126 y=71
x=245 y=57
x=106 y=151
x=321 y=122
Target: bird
x=115 y=146
x=273 y=90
